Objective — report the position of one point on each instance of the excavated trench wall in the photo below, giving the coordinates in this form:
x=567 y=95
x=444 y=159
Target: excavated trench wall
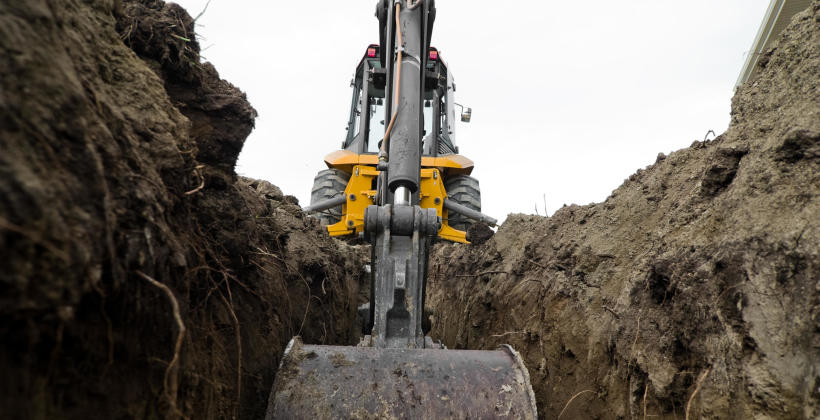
x=140 y=277
x=693 y=287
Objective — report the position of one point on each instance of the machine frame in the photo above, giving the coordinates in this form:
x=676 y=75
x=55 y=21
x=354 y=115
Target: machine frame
x=359 y=158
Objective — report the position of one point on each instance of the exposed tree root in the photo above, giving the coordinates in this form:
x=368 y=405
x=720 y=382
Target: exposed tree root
x=570 y=401
x=170 y=381
x=695 y=392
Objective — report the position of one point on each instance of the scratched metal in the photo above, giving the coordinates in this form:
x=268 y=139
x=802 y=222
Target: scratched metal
x=333 y=382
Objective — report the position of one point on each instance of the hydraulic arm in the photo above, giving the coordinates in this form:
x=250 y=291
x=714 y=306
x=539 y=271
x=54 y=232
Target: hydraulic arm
x=396 y=371
x=400 y=230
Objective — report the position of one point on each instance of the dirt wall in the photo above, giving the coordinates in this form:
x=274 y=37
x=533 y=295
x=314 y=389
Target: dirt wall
x=693 y=288
x=140 y=277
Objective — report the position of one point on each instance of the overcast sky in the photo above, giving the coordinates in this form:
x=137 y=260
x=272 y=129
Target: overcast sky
x=569 y=97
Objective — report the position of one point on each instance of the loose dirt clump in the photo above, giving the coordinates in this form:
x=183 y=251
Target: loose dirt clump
x=693 y=289
x=140 y=277
x=479 y=232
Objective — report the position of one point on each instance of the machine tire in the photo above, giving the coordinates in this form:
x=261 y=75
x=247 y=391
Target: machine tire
x=328 y=184
x=463 y=190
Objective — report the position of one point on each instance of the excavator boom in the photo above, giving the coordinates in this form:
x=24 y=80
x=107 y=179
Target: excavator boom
x=396 y=371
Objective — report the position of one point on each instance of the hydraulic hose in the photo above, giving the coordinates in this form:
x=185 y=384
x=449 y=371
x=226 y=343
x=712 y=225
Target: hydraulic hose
x=397 y=83
x=399 y=58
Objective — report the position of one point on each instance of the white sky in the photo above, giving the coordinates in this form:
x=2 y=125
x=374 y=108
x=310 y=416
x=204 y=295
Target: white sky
x=569 y=97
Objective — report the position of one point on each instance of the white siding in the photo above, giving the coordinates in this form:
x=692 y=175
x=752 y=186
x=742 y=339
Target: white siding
x=778 y=16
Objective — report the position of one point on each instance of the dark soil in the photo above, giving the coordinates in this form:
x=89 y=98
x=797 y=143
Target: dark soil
x=695 y=284
x=140 y=277
x=116 y=179
x=478 y=233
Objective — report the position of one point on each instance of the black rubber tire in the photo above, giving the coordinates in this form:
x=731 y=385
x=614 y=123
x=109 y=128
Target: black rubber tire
x=463 y=190
x=328 y=184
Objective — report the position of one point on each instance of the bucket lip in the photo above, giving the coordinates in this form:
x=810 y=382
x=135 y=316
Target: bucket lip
x=520 y=364
x=294 y=344
x=296 y=347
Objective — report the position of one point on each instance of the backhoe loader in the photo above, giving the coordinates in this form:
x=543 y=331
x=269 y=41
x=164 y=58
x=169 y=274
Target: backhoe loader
x=398 y=173
x=341 y=193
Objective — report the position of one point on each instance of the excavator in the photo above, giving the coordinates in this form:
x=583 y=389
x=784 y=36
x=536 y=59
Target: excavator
x=397 y=371
x=342 y=193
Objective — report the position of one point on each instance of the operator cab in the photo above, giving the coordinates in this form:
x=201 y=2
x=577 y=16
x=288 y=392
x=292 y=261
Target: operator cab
x=368 y=111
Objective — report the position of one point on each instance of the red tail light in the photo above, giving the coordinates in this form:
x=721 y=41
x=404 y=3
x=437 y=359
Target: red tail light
x=433 y=55
x=371 y=52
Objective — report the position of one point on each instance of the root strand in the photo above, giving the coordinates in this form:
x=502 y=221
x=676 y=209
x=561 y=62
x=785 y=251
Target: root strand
x=170 y=382
x=570 y=401
x=695 y=392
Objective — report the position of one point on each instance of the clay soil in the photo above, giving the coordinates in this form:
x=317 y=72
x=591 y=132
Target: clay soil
x=693 y=288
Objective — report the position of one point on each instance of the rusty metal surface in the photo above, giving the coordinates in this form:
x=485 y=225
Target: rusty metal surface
x=333 y=382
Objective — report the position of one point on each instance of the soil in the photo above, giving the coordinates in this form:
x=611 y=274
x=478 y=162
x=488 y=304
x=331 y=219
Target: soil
x=142 y=278
x=693 y=289
x=124 y=228
x=478 y=233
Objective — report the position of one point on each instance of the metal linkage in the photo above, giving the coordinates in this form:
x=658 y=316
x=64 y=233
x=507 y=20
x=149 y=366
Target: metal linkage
x=401 y=237
x=401 y=232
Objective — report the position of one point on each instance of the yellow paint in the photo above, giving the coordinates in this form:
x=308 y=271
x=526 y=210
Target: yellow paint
x=361 y=193
x=432 y=195
x=449 y=164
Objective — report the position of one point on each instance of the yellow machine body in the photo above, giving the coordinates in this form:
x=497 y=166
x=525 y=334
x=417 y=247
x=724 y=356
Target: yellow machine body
x=361 y=194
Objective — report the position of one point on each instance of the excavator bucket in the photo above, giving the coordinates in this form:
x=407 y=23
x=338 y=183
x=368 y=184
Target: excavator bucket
x=333 y=382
